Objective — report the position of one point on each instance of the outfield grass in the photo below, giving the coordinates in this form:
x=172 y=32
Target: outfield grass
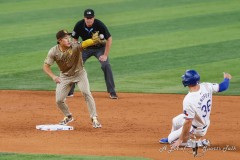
x=154 y=42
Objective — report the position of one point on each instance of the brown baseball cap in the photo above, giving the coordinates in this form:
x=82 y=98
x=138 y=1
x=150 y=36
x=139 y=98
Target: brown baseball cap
x=62 y=33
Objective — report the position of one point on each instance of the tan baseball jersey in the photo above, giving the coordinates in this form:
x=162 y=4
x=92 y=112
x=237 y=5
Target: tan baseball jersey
x=69 y=62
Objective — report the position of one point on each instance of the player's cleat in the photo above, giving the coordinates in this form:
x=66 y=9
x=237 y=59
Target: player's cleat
x=96 y=123
x=163 y=140
x=200 y=143
x=66 y=120
x=113 y=95
x=206 y=142
x=70 y=95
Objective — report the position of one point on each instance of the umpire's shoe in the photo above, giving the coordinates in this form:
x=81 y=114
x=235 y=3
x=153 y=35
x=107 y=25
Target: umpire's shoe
x=66 y=120
x=96 y=123
x=113 y=95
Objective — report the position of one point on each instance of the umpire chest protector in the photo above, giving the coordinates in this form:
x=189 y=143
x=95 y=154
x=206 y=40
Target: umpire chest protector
x=81 y=30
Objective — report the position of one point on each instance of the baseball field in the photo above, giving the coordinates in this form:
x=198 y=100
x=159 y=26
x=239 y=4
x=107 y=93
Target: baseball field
x=154 y=42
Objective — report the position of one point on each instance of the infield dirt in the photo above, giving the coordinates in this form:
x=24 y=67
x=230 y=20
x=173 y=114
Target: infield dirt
x=132 y=125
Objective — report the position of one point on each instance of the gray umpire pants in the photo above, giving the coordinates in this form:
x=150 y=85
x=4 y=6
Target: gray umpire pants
x=105 y=66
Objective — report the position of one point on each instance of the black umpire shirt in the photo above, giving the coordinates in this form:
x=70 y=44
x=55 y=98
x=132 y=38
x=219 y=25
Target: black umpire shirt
x=81 y=30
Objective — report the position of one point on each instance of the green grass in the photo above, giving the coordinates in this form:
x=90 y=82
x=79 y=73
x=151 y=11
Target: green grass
x=154 y=42
x=15 y=156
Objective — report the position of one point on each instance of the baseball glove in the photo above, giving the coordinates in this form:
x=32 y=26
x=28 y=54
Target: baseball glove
x=96 y=38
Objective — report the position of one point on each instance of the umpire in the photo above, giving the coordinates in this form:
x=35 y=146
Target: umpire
x=84 y=29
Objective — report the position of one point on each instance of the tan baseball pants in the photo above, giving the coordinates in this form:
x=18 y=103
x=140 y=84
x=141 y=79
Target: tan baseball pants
x=64 y=87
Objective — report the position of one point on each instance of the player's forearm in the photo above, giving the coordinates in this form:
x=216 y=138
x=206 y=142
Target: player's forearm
x=225 y=83
x=48 y=71
x=185 y=131
x=108 y=46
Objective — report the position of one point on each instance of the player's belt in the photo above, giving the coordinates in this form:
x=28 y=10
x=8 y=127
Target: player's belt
x=195 y=127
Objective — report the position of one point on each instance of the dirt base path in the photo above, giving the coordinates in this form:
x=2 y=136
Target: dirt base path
x=132 y=125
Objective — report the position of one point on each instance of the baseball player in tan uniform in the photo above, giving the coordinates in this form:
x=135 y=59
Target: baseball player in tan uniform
x=68 y=56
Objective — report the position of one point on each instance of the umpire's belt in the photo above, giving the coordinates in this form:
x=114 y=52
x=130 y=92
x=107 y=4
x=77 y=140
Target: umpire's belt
x=195 y=127
x=97 y=46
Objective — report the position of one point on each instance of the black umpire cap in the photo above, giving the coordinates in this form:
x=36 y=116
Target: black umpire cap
x=89 y=13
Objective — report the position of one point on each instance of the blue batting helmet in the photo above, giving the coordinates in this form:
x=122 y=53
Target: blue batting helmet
x=191 y=77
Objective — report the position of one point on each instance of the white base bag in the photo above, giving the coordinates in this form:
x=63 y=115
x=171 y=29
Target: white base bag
x=54 y=127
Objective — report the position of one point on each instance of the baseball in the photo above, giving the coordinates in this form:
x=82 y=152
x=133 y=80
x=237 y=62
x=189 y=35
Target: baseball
x=101 y=36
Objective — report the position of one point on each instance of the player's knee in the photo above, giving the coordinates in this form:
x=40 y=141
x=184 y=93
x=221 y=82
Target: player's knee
x=178 y=120
x=84 y=93
x=87 y=96
x=59 y=101
x=174 y=121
